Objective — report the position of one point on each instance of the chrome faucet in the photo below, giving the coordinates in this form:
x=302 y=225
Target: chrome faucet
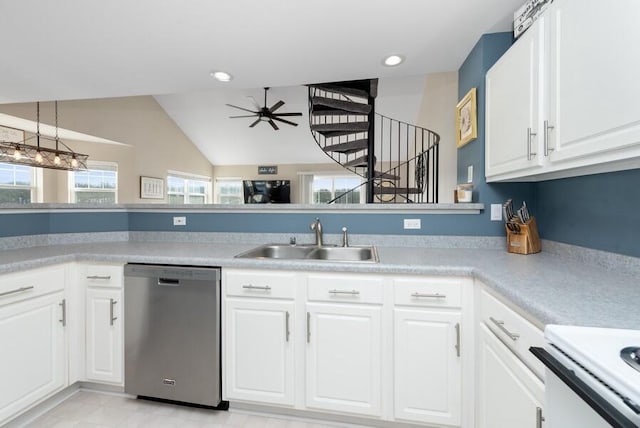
x=316 y=226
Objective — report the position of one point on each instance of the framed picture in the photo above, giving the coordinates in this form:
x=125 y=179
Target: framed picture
x=151 y=188
x=466 y=119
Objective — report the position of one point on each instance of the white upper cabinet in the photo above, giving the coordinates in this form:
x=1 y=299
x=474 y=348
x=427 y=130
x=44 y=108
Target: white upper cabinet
x=572 y=79
x=513 y=106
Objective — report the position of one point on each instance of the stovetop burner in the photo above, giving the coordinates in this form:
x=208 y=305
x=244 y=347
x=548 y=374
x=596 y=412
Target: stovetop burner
x=631 y=356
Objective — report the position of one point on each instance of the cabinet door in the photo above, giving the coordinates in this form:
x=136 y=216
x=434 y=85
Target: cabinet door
x=32 y=360
x=104 y=335
x=259 y=351
x=512 y=106
x=427 y=366
x=344 y=358
x=509 y=394
x=594 y=86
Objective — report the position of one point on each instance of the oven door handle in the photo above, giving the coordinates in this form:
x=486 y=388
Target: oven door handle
x=584 y=391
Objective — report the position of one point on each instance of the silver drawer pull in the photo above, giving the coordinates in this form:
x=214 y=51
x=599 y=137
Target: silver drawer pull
x=349 y=292
x=63 y=306
x=429 y=295
x=256 y=287
x=17 y=290
x=103 y=277
x=500 y=325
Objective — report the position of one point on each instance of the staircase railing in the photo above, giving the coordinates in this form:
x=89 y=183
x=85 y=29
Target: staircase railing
x=405 y=156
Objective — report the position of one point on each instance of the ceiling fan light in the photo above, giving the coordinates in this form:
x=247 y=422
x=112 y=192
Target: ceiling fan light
x=393 y=60
x=222 y=76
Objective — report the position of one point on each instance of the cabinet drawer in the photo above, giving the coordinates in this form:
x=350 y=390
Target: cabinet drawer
x=432 y=292
x=32 y=283
x=515 y=331
x=276 y=285
x=341 y=288
x=98 y=275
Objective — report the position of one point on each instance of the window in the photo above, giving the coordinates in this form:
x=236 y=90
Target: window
x=325 y=188
x=188 y=189
x=228 y=191
x=97 y=185
x=18 y=183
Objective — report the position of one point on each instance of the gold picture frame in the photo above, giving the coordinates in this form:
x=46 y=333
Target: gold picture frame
x=467 y=119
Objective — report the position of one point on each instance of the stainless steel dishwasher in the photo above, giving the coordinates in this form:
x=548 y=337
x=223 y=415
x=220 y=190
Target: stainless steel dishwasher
x=172 y=333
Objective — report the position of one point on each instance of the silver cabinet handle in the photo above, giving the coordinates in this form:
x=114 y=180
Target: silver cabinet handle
x=539 y=417
x=349 y=292
x=308 y=327
x=546 y=138
x=500 y=325
x=286 y=326
x=429 y=295
x=17 y=290
x=63 y=305
x=256 y=287
x=103 y=277
x=457 y=339
x=530 y=134
x=112 y=304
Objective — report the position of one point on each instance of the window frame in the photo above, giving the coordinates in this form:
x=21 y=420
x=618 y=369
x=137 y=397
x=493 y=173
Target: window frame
x=95 y=166
x=333 y=177
x=186 y=194
x=217 y=193
x=35 y=187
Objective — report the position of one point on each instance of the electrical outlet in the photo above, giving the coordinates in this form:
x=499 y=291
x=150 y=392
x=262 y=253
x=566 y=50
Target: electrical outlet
x=179 y=221
x=470 y=174
x=412 y=223
x=496 y=212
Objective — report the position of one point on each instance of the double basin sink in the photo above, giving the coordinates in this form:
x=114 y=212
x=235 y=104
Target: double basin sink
x=312 y=252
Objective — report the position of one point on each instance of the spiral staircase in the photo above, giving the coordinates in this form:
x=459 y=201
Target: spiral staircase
x=397 y=161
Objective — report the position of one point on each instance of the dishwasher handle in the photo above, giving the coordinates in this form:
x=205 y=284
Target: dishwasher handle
x=169 y=282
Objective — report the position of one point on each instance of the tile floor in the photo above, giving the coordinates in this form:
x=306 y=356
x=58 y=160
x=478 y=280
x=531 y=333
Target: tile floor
x=88 y=409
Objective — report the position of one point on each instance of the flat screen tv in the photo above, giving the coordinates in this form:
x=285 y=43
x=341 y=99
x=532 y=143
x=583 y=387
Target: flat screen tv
x=267 y=191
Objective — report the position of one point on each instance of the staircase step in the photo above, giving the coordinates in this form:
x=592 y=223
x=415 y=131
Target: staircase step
x=361 y=162
x=348 y=106
x=337 y=129
x=348 y=147
x=386 y=175
x=344 y=90
x=378 y=190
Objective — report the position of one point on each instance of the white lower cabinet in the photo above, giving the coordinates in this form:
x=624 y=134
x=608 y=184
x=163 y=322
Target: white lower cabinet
x=427 y=367
x=259 y=350
x=104 y=335
x=104 y=324
x=509 y=394
x=344 y=358
x=33 y=361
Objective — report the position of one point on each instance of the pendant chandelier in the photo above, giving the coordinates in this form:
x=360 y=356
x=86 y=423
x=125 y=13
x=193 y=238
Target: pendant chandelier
x=43 y=157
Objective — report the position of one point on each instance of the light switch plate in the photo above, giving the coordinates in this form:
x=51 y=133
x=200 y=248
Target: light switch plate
x=179 y=221
x=496 y=212
x=412 y=223
x=470 y=174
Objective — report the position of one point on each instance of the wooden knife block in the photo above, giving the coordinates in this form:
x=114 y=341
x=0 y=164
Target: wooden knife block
x=527 y=241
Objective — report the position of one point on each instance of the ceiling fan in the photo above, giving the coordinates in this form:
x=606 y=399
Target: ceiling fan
x=266 y=114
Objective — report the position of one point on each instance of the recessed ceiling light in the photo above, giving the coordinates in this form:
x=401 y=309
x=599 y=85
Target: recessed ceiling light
x=393 y=60
x=222 y=76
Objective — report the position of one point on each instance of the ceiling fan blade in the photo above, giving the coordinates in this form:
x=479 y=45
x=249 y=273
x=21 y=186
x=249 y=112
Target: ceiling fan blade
x=249 y=115
x=276 y=106
x=255 y=103
x=273 y=124
x=255 y=123
x=287 y=114
x=241 y=108
x=284 y=121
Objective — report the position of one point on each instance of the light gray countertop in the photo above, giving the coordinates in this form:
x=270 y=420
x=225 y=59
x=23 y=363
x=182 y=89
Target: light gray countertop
x=549 y=288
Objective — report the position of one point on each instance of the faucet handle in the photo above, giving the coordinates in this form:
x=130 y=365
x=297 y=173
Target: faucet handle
x=345 y=237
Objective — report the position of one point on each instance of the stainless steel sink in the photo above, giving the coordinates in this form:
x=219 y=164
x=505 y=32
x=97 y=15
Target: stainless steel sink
x=302 y=252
